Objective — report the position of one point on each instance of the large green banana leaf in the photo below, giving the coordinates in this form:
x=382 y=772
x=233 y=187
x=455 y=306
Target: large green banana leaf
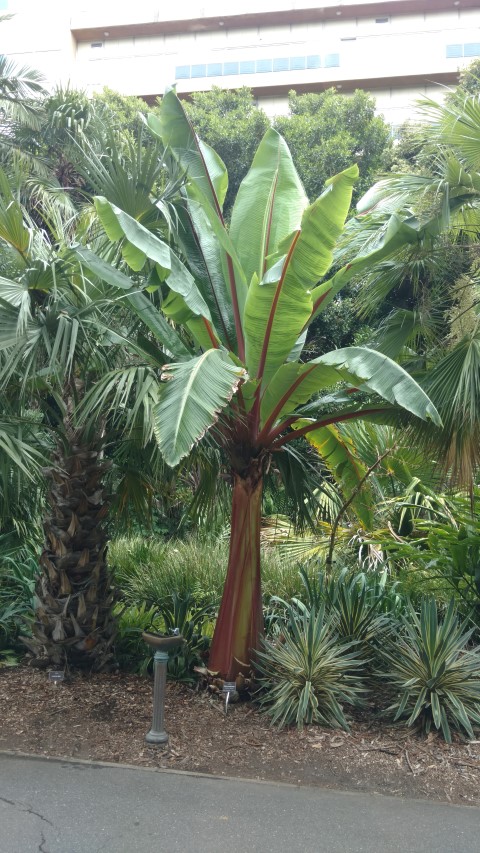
x=141 y=244
x=268 y=206
x=205 y=184
x=191 y=399
x=233 y=274
x=206 y=260
x=140 y=303
x=387 y=378
x=278 y=307
x=294 y=384
x=138 y=242
x=201 y=164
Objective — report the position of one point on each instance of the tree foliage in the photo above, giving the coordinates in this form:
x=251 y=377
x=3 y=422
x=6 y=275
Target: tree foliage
x=327 y=131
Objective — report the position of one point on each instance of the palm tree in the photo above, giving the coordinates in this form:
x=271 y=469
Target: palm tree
x=58 y=335
x=245 y=299
x=20 y=88
x=443 y=202
x=50 y=348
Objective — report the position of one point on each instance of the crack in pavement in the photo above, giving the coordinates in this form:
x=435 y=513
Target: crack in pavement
x=41 y=848
x=24 y=807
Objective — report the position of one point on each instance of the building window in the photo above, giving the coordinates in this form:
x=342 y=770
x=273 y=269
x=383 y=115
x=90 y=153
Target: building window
x=259 y=66
x=472 y=49
x=454 y=51
x=282 y=64
x=382 y=20
x=230 y=67
x=298 y=63
x=264 y=65
x=247 y=67
x=199 y=71
x=95 y=45
x=332 y=60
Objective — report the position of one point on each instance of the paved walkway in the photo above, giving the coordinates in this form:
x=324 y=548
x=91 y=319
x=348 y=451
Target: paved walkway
x=68 y=807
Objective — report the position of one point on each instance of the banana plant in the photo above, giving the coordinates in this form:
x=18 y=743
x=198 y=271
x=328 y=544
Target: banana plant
x=245 y=297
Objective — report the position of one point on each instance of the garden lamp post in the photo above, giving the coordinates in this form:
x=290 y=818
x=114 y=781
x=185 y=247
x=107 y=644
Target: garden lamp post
x=161 y=645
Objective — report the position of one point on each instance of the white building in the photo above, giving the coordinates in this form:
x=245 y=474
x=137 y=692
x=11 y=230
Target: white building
x=397 y=49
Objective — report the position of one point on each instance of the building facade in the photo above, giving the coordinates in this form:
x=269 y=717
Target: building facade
x=397 y=49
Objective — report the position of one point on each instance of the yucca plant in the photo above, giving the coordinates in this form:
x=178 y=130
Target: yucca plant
x=356 y=604
x=437 y=679
x=362 y=607
x=305 y=673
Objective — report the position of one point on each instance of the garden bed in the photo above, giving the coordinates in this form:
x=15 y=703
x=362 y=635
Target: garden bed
x=105 y=717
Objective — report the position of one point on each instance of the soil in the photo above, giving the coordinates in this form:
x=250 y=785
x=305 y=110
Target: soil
x=105 y=717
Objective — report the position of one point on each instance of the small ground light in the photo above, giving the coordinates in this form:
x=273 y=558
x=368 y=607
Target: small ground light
x=228 y=688
x=56 y=676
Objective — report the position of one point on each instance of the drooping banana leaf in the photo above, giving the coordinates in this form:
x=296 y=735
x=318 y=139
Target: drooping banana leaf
x=193 y=395
x=294 y=384
x=140 y=303
x=141 y=244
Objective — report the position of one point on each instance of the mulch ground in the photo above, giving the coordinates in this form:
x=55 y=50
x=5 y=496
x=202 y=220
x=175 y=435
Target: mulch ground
x=105 y=717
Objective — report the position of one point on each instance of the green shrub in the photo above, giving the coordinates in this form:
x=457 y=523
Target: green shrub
x=305 y=673
x=150 y=570
x=436 y=678
x=131 y=651
x=176 y=613
x=17 y=587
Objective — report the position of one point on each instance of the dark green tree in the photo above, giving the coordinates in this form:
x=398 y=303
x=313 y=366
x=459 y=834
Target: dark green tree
x=125 y=110
x=469 y=82
x=327 y=131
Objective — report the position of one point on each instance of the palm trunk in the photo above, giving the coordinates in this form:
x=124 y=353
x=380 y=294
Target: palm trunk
x=240 y=620
x=74 y=624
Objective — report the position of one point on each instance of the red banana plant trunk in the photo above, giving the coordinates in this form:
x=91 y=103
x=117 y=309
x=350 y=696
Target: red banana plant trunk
x=240 y=619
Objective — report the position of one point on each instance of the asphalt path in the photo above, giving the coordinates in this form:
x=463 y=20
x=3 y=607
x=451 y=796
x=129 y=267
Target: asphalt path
x=53 y=806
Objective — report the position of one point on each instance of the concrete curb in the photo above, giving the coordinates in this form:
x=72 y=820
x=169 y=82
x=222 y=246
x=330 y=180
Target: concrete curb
x=58 y=759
